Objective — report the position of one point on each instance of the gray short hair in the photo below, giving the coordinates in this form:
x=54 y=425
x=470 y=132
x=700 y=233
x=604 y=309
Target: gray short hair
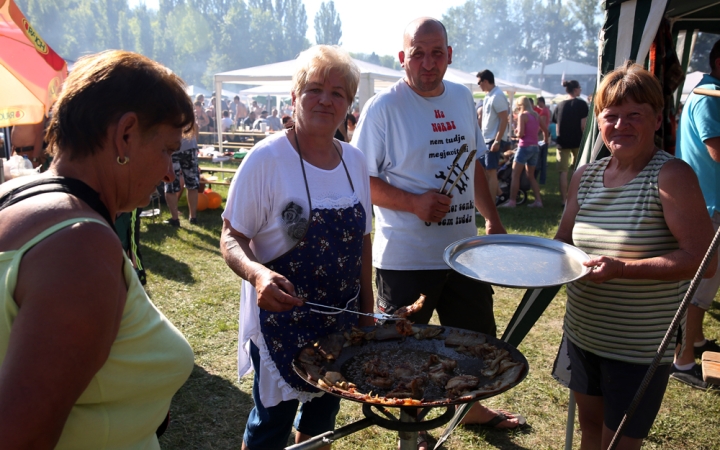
x=320 y=60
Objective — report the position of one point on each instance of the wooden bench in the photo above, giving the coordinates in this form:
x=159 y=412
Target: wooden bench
x=241 y=139
x=232 y=145
x=711 y=367
x=229 y=150
x=212 y=170
x=231 y=157
x=239 y=145
x=212 y=179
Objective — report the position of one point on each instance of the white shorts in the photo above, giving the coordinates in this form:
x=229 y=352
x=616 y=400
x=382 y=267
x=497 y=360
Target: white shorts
x=708 y=286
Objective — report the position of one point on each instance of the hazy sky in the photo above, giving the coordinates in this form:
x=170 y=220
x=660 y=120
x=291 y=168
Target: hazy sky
x=369 y=25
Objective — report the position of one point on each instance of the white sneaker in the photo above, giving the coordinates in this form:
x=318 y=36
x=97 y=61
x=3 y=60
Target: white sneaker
x=535 y=204
x=508 y=204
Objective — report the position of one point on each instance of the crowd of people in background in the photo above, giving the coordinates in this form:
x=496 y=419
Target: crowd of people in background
x=253 y=116
x=238 y=116
x=560 y=124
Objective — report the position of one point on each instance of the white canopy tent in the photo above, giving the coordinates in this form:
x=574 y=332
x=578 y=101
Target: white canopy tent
x=228 y=94
x=282 y=89
x=566 y=70
x=470 y=81
x=270 y=74
x=194 y=90
x=516 y=88
x=277 y=89
x=564 y=67
x=458 y=76
x=691 y=80
x=370 y=75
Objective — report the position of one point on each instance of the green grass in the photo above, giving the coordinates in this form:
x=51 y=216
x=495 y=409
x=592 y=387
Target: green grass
x=190 y=283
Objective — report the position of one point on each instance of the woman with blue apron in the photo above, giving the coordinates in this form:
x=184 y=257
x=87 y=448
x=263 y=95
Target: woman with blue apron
x=298 y=234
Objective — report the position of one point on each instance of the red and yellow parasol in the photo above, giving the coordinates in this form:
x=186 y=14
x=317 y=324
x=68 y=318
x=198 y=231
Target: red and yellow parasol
x=31 y=73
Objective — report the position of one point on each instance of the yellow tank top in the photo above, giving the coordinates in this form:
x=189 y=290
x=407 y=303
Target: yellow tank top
x=129 y=397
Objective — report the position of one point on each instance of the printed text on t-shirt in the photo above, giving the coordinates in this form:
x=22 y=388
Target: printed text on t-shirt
x=439 y=127
x=457 y=138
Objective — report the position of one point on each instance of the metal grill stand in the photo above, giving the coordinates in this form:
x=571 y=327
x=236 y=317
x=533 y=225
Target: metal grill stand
x=408 y=424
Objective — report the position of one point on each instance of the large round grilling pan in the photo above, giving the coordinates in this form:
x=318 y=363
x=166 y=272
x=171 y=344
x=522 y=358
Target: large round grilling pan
x=401 y=350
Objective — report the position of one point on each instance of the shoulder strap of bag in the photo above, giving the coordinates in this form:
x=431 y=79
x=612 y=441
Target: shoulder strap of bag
x=70 y=186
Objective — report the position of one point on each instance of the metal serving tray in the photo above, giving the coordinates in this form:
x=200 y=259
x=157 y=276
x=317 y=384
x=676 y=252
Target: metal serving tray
x=513 y=260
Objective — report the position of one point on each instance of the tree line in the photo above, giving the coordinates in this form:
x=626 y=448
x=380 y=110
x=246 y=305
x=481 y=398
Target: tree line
x=509 y=37
x=198 y=38
x=194 y=38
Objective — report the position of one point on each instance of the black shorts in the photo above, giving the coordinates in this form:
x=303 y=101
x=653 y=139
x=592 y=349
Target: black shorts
x=460 y=301
x=617 y=382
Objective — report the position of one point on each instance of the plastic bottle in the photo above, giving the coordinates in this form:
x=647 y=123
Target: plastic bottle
x=27 y=162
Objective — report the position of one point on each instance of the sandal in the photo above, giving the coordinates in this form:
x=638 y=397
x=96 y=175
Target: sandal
x=501 y=417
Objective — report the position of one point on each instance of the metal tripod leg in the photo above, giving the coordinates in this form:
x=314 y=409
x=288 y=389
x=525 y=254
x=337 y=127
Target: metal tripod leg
x=570 y=426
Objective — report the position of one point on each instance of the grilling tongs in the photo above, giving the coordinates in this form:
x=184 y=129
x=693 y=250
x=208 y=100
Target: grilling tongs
x=463 y=149
x=468 y=161
x=378 y=316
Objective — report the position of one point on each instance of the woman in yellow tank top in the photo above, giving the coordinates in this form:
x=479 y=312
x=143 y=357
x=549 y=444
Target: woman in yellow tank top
x=86 y=360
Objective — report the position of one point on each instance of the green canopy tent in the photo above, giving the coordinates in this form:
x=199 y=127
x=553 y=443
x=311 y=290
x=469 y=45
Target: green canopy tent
x=628 y=31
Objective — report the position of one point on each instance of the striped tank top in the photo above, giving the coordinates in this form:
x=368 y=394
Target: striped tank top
x=622 y=319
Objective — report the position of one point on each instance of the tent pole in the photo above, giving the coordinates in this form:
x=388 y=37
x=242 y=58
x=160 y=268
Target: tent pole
x=510 y=125
x=570 y=426
x=6 y=140
x=218 y=113
x=684 y=47
x=366 y=88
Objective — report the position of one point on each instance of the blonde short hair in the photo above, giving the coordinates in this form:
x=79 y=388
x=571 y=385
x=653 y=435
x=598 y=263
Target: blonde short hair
x=631 y=81
x=320 y=60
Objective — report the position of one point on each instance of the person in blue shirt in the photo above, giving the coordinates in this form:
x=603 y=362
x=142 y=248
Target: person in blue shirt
x=699 y=146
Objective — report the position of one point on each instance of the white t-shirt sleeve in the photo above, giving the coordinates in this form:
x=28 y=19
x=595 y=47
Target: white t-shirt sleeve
x=500 y=103
x=479 y=139
x=369 y=137
x=247 y=203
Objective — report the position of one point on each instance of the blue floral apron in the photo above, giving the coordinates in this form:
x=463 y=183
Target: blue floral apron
x=324 y=266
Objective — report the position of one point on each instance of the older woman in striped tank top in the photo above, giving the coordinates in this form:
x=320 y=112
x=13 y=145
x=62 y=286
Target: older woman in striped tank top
x=640 y=215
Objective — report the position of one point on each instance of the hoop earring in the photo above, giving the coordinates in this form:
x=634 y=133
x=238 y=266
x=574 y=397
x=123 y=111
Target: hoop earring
x=122 y=162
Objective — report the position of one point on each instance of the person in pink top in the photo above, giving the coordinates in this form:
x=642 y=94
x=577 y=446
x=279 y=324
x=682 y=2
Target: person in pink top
x=526 y=157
